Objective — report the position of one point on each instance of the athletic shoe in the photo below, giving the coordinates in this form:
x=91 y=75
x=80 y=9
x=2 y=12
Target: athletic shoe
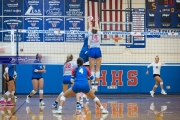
x=2 y=102
x=9 y=103
x=28 y=99
x=28 y=110
x=58 y=116
x=59 y=111
x=152 y=93
x=103 y=116
x=54 y=105
x=104 y=111
x=42 y=103
x=163 y=108
x=152 y=107
x=163 y=92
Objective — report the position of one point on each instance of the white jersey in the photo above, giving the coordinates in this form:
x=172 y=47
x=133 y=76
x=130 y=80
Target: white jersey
x=94 y=40
x=68 y=67
x=156 y=67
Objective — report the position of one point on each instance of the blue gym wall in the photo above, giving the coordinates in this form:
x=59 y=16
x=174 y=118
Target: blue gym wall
x=53 y=79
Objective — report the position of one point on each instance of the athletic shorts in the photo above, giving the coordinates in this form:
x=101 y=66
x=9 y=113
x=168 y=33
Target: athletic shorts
x=95 y=53
x=81 y=87
x=36 y=78
x=154 y=75
x=10 y=78
x=67 y=79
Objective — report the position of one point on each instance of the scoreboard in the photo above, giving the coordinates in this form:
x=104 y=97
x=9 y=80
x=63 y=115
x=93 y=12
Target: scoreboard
x=163 y=13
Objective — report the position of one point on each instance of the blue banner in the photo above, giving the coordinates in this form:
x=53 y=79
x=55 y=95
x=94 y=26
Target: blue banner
x=74 y=24
x=0 y=29
x=1 y=8
x=54 y=7
x=12 y=23
x=33 y=7
x=12 y=7
x=33 y=23
x=56 y=24
x=74 y=7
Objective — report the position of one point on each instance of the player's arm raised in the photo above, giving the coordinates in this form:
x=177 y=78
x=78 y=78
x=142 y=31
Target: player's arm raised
x=147 y=72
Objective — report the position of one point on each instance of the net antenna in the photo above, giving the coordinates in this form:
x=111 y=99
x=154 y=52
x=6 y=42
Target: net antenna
x=114 y=38
x=11 y=45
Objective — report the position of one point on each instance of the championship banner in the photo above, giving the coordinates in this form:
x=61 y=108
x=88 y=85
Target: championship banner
x=56 y=24
x=74 y=24
x=33 y=7
x=54 y=7
x=12 y=7
x=33 y=23
x=74 y=7
x=12 y=23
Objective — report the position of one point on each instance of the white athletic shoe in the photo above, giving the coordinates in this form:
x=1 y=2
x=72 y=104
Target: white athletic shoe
x=152 y=93
x=104 y=111
x=58 y=111
x=58 y=116
x=42 y=103
x=103 y=116
x=163 y=92
x=27 y=99
x=152 y=107
x=163 y=108
x=28 y=110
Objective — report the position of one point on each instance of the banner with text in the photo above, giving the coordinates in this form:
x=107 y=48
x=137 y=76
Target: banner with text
x=12 y=7
x=12 y=23
x=54 y=8
x=74 y=24
x=74 y=7
x=33 y=23
x=56 y=24
x=33 y=7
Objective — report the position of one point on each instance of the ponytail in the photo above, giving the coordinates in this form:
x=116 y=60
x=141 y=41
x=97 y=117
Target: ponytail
x=69 y=58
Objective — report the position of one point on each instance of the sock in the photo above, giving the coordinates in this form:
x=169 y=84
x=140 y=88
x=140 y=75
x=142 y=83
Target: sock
x=40 y=100
x=9 y=99
x=101 y=107
x=29 y=96
x=60 y=107
x=56 y=102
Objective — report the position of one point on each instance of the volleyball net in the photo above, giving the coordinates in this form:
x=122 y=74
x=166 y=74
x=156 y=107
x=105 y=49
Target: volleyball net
x=115 y=46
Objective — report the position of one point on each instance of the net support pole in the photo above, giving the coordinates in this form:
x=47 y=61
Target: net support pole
x=12 y=42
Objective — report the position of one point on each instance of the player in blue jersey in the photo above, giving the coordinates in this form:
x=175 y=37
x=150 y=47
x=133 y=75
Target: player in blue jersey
x=79 y=76
x=37 y=79
x=10 y=81
x=84 y=53
x=67 y=71
x=95 y=56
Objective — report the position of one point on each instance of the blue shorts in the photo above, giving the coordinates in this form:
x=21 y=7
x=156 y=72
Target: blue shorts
x=81 y=87
x=67 y=79
x=95 y=53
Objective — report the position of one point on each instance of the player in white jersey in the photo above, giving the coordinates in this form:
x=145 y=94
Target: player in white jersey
x=95 y=55
x=156 y=75
x=67 y=71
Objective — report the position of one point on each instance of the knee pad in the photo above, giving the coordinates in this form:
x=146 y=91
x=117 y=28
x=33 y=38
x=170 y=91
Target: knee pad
x=155 y=86
x=95 y=99
x=97 y=74
x=62 y=93
x=161 y=83
x=7 y=93
x=63 y=98
x=33 y=91
x=41 y=91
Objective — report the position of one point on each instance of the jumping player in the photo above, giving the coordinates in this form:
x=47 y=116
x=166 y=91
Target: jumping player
x=79 y=75
x=37 y=79
x=10 y=81
x=95 y=55
x=156 y=75
x=68 y=66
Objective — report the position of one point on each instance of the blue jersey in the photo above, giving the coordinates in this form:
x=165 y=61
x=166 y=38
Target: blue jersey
x=37 y=67
x=84 y=53
x=11 y=70
x=81 y=73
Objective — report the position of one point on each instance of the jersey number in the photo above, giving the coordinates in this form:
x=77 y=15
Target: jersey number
x=68 y=65
x=81 y=71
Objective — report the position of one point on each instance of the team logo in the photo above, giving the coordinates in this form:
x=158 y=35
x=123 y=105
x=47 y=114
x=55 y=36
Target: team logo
x=74 y=24
x=12 y=26
x=54 y=24
x=33 y=24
